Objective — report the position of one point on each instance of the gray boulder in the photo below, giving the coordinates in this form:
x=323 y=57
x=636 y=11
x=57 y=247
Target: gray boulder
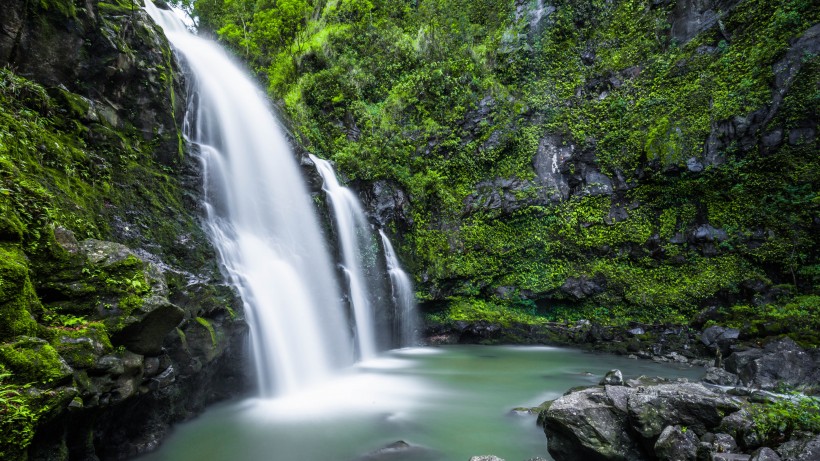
x=613 y=378
x=676 y=444
x=765 y=454
x=741 y=426
x=800 y=449
x=591 y=424
x=692 y=405
x=720 y=377
x=719 y=338
x=778 y=363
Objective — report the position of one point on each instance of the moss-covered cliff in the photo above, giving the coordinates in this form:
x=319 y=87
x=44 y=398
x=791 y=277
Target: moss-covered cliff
x=619 y=160
x=110 y=299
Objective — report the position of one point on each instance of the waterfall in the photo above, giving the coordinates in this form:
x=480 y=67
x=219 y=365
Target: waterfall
x=261 y=220
x=407 y=322
x=355 y=239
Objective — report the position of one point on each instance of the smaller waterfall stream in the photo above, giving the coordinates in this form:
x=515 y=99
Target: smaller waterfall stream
x=406 y=325
x=354 y=237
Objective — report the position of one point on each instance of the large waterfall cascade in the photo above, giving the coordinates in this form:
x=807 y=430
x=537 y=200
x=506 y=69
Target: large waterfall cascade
x=404 y=298
x=261 y=220
x=354 y=238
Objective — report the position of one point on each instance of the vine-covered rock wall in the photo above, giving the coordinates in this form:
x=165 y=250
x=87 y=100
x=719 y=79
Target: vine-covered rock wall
x=549 y=159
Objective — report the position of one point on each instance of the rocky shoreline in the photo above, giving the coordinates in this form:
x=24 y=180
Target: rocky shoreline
x=754 y=401
x=734 y=413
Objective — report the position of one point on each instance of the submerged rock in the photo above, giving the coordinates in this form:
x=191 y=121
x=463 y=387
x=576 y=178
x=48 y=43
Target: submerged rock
x=400 y=450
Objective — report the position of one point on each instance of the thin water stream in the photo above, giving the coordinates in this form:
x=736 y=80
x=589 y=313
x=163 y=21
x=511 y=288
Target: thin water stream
x=452 y=402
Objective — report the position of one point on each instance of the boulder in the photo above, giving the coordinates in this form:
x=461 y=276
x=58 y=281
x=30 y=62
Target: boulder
x=765 y=454
x=806 y=449
x=582 y=287
x=719 y=338
x=741 y=427
x=613 y=378
x=676 y=444
x=700 y=409
x=779 y=363
x=591 y=424
x=720 y=377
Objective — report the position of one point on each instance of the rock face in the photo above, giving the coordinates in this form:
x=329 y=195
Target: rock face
x=116 y=295
x=779 y=362
x=632 y=423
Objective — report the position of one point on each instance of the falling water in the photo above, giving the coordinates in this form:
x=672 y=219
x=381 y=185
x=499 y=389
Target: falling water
x=261 y=220
x=404 y=298
x=354 y=236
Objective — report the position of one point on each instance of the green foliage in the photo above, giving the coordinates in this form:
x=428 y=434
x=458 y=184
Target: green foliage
x=799 y=316
x=17 y=419
x=442 y=97
x=495 y=312
x=775 y=422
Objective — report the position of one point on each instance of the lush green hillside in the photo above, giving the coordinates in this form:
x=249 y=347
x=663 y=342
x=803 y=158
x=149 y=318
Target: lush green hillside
x=617 y=160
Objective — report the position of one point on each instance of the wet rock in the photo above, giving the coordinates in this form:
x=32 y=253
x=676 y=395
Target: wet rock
x=694 y=165
x=685 y=404
x=801 y=135
x=800 y=449
x=778 y=363
x=676 y=444
x=719 y=338
x=740 y=426
x=399 y=450
x=691 y=17
x=550 y=160
x=502 y=194
x=387 y=203
x=729 y=457
x=773 y=138
x=582 y=287
x=764 y=454
x=591 y=424
x=637 y=331
x=707 y=233
x=721 y=443
x=720 y=377
x=596 y=183
x=613 y=378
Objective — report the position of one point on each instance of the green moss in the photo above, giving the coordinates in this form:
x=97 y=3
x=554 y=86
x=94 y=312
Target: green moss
x=207 y=325
x=80 y=344
x=34 y=360
x=64 y=7
x=499 y=313
x=17 y=298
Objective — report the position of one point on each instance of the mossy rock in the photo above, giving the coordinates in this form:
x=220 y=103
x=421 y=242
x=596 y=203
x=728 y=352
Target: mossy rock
x=81 y=346
x=34 y=360
x=17 y=297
